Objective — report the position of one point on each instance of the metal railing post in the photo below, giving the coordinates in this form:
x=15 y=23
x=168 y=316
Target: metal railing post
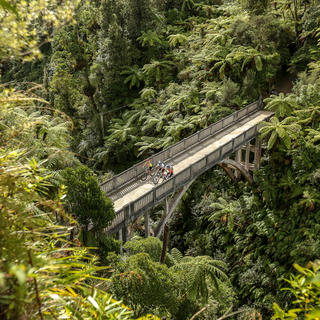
x=260 y=103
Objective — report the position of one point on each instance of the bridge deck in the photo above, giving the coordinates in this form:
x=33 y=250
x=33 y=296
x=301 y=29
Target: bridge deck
x=137 y=188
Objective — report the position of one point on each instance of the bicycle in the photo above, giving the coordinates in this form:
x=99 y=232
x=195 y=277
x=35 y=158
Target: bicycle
x=161 y=174
x=149 y=172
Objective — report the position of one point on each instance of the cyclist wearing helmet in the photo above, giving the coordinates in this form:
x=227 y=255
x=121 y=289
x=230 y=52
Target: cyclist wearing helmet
x=161 y=167
x=169 y=168
x=149 y=165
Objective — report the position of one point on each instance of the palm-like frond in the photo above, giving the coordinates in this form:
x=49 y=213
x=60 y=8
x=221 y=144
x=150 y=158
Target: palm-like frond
x=34 y=129
x=225 y=210
x=176 y=255
x=148 y=93
x=147 y=144
x=284 y=130
x=313 y=136
x=120 y=131
x=198 y=271
x=282 y=105
x=150 y=38
x=174 y=128
x=175 y=39
x=134 y=76
x=155 y=69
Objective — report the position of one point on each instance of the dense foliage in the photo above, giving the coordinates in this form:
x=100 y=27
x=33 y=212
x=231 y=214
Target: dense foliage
x=133 y=88
x=305 y=289
x=42 y=273
x=123 y=79
x=184 y=284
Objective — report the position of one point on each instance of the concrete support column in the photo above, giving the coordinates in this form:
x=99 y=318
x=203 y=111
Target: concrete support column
x=120 y=238
x=257 y=154
x=238 y=159
x=247 y=160
x=167 y=208
x=146 y=225
x=124 y=234
x=238 y=155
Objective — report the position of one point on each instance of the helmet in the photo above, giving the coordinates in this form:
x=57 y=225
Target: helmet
x=167 y=166
x=148 y=159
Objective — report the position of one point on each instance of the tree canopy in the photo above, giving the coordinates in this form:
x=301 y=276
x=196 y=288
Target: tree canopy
x=88 y=88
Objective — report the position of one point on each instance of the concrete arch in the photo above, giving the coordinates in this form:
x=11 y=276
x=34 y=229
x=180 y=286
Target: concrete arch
x=229 y=163
x=172 y=203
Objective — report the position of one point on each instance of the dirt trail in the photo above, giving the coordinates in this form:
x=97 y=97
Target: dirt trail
x=285 y=83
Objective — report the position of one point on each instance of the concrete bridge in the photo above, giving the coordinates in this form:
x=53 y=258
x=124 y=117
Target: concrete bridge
x=190 y=157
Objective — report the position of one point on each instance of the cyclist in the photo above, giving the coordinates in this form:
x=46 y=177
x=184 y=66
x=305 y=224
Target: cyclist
x=169 y=168
x=161 y=167
x=148 y=164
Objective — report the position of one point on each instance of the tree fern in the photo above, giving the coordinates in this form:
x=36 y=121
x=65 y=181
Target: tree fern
x=284 y=130
x=134 y=76
x=225 y=211
x=282 y=105
x=176 y=255
x=148 y=93
x=198 y=271
x=149 y=38
x=175 y=39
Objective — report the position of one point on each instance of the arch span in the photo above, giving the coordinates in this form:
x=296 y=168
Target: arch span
x=172 y=203
x=229 y=163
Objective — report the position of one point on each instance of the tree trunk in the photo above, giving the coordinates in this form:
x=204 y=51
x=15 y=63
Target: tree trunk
x=164 y=243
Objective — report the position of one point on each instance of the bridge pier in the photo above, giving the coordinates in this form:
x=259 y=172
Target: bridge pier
x=237 y=173
x=123 y=237
x=257 y=154
x=146 y=225
x=242 y=165
x=170 y=206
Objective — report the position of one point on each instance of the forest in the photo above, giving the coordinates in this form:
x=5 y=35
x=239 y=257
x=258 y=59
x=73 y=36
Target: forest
x=90 y=88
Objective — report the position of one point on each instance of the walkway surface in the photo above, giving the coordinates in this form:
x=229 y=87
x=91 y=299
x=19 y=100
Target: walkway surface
x=136 y=189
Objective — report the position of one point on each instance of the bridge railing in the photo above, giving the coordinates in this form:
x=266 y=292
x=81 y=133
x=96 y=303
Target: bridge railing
x=130 y=212
x=130 y=174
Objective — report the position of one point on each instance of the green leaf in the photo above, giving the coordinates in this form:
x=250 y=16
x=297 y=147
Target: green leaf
x=300 y=269
x=7 y=6
x=287 y=141
x=272 y=140
x=94 y=303
x=279 y=313
x=20 y=273
x=315 y=314
x=258 y=62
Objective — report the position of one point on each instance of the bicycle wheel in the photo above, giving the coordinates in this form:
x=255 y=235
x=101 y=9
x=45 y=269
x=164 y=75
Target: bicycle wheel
x=156 y=177
x=144 y=176
x=165 y=176
x=153 y=172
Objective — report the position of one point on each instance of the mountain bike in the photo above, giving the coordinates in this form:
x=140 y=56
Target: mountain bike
x=160 y=175
x=147 y=174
